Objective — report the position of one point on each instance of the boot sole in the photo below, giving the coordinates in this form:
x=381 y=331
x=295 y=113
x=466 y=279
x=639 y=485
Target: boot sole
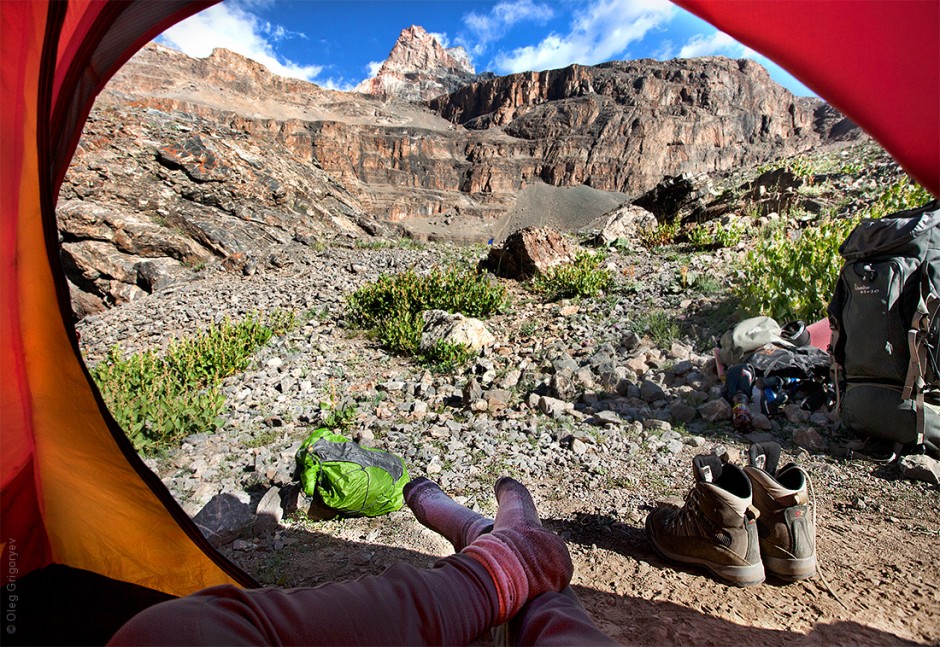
x=791 y=570
x=742 y=576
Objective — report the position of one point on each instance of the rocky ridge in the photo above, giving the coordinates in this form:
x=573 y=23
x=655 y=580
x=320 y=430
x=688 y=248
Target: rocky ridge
x=419 y=68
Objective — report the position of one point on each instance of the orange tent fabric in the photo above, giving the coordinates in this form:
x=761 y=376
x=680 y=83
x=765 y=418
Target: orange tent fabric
x=73 y=489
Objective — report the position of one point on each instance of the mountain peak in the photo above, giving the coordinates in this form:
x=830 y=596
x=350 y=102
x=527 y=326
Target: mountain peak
x=419 y=68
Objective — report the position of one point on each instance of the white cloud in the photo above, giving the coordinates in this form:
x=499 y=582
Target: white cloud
x=340 y=85
x=441 y=38
x=232 y=28
x=598 y=33
x=488 y=28
x=374 y=67
x=717 y=44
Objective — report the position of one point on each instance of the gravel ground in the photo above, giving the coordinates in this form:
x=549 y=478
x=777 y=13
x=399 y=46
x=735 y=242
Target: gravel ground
x=600 y=422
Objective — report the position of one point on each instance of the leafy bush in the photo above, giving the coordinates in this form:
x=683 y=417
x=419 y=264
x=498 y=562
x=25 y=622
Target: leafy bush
x=903 y=194
x=582 y=278
x=791 y=274
x=447 y=356
x=716 y=235
x=160 y=399
x=391 y=307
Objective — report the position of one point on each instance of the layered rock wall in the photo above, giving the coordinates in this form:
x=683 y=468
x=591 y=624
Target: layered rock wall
x=227 y=161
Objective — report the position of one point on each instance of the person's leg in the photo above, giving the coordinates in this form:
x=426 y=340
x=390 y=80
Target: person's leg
x=434 y=509
x=555 y=619
x=452 y=603
x=551 y=618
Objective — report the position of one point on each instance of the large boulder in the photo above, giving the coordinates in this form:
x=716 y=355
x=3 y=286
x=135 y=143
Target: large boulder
x=528 y=252
x=441 y=326
x=625 y=223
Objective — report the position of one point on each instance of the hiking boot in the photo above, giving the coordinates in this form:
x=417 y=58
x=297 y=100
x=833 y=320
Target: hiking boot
x=715 y=528
x=786 y=524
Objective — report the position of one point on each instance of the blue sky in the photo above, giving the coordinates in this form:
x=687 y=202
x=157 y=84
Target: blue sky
x=338 y=43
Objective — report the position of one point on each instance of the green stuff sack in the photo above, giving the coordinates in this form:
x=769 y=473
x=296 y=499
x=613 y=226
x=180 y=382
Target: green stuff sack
x=349 y=478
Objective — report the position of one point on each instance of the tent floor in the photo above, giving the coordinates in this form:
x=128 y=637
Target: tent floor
x=61 y=605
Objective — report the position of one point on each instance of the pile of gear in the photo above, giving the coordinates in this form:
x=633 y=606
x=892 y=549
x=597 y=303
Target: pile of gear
x=769 y=366
x=876 y=360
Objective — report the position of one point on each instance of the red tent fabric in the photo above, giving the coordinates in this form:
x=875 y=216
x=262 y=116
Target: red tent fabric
x=876 y=61
x=73 y=489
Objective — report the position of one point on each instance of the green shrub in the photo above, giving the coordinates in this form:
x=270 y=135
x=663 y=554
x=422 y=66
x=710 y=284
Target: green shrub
x=903 y=194
x=716 y=235
x=391 y=307
x=160 y=399
x=658 y=326
x=445 y=357
x=662 y=234
x=791 y=274
x=584 y=277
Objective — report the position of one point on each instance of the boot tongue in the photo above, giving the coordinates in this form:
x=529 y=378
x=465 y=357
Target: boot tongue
x=764 y=456
x=706 y=467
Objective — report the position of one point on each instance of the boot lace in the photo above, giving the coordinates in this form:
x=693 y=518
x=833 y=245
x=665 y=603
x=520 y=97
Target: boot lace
x=687 y=520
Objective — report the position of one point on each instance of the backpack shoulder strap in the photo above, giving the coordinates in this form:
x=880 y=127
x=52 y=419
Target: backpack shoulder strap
x=919 y=343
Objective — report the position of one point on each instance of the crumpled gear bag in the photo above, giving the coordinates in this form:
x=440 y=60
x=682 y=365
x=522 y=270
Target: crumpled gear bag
x=747 y=336
x=349 y=478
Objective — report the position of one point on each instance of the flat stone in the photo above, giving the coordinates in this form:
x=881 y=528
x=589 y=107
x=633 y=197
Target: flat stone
x=808 y=438
x=759 y=437
x=269 y=512
x=715 y=410
x=637 y=364
x=651 y=392
x=552 y=407
x=920 y=468
x=673 y=446
x=682 y=413
x=497 y=399
x=224 y=518
x=606 y=417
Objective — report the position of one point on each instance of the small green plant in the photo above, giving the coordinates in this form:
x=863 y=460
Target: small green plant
x=584 y=277
x=658 y=326
x=698 y=281
x=158 y=399
x=263 y=439
x=716 y=235
x=196 y=265
x=336 y=414
x=528 y=328
x=391 y=307
x=446 y=357
x=662 y=234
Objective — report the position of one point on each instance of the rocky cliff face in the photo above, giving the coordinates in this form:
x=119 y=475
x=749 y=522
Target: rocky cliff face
x=420 y=68
x=212 y=163
x=622 y=126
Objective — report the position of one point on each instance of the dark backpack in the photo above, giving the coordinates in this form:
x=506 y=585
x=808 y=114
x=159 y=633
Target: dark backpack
x=886 y=329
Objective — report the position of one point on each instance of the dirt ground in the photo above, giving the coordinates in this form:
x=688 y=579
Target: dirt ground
x=878 y=542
